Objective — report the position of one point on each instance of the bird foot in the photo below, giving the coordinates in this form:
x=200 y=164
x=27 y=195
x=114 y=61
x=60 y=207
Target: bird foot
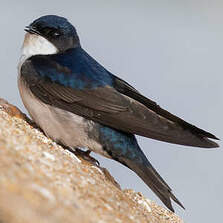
x=86 y=156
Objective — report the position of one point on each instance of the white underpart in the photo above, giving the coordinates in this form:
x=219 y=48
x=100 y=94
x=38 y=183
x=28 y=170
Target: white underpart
x=58 y=124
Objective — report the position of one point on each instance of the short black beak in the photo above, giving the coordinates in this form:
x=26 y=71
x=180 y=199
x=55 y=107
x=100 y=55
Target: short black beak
x=31 y=30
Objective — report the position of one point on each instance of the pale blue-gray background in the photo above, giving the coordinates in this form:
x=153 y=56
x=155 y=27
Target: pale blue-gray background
x=172 y=51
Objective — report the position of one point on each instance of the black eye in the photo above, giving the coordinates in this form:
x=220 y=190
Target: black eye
x=56 y=33
x=51 y=32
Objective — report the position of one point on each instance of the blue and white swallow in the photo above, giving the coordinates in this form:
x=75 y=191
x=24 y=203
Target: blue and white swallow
x=78 y=103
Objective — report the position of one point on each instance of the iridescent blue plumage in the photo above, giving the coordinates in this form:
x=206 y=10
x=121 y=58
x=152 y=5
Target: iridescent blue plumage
x=75 y=69
x=54 y=22
x=120 y=144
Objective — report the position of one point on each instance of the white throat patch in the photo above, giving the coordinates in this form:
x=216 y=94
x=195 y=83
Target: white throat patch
x=36 y=45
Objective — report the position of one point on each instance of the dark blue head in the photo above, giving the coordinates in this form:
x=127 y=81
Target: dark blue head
x=57 y=30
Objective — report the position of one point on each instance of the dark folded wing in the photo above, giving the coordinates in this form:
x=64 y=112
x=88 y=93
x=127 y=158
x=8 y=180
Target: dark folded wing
x=129 y=91
x=124 y=110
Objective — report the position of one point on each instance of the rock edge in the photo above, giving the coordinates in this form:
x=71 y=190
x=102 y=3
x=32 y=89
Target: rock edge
x=43 y=182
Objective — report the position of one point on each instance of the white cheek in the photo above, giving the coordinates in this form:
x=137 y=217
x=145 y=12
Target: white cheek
x=36 y=45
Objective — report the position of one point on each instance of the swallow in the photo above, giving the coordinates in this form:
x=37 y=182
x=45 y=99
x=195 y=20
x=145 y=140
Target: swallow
x=80 y=104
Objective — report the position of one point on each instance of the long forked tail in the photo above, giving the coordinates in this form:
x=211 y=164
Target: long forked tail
x=143 y=168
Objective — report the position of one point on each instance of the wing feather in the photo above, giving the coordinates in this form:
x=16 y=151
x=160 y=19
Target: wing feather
x=121 y=107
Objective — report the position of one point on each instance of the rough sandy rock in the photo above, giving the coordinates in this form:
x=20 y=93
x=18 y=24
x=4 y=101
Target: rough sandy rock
x=41 y=182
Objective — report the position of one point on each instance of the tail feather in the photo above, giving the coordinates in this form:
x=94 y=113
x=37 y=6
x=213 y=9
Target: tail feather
x=176 y=200
x=151 y=168
x=151 y=177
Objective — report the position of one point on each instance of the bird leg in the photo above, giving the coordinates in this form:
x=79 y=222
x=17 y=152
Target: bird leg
x=86 y=156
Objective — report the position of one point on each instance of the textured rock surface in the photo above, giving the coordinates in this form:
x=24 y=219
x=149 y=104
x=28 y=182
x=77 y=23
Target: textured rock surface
x=42 y=182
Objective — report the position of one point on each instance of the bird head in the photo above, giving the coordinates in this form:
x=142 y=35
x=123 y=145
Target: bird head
x=49 y=35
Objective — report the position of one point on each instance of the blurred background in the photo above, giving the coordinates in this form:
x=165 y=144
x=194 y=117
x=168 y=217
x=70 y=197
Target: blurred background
x=171 y=51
